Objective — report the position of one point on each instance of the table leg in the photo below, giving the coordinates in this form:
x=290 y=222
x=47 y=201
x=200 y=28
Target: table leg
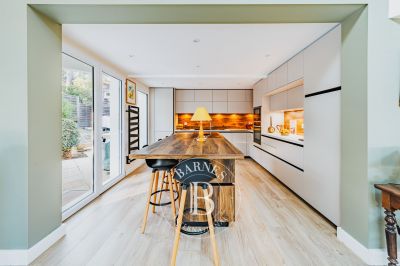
x=391 y=235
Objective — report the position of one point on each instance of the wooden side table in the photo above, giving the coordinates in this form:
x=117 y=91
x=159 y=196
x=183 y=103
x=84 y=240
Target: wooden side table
x=391 y=203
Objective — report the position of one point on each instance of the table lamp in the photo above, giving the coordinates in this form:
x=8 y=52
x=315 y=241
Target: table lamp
x=201 y=115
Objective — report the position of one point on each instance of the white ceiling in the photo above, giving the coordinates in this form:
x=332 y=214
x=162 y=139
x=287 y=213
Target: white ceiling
x=229 y=56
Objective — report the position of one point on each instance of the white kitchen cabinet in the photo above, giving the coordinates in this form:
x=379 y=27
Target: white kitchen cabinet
x=281 y=75
x=249 y=141
x=296 y=67
x=220 y=107
x=322 y=153
x=322 y=63
x=240 y=107
x=248 y=95
x=259 y=90
x=272 y=81
x=239 y=140
x=289 y=152
x=185 y=107
x=163 y=112
x=203 y=95
x=161 y=135
x=184 y=95
x=220 y=95
x=295 y=98
x=207 y=105
x=236 y=95
x=278 y=102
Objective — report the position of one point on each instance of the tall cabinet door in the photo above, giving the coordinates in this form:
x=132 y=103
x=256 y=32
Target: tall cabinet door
x=163 y=112
x=322 y=63
x=322 y=153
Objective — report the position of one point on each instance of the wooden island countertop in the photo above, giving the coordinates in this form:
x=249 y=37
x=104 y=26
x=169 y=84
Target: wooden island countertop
x=185 y=146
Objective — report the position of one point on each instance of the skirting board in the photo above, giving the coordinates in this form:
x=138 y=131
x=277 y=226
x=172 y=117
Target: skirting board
x=26 y=256
x=369 y=256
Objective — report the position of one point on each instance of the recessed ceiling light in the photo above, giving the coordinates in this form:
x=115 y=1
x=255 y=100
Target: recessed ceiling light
x=196 y=40
x=131 y=55
x=267 y=55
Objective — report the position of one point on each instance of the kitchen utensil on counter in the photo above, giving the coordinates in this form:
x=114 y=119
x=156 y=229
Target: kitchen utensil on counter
x=271 y=129
x=282 y=130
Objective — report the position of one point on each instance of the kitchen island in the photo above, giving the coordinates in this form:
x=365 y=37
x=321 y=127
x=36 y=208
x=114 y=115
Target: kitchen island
x=216 y=148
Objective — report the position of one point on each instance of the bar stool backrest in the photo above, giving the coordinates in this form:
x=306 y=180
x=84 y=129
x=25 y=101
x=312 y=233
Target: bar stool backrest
x=195 y=170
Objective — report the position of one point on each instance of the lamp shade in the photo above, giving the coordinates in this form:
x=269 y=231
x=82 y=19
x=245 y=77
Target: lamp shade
x=201 y=114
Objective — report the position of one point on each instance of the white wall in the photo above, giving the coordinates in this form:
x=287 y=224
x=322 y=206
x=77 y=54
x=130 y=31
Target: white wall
x=129 y=168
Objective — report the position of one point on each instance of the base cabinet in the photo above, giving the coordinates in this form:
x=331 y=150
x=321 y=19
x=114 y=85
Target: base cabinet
x=239 y=140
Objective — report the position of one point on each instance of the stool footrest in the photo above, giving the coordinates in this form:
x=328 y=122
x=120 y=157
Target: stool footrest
x=164 y=203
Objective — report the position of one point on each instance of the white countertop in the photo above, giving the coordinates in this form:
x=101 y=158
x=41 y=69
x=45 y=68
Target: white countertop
x=290 y=138
x=217 y=130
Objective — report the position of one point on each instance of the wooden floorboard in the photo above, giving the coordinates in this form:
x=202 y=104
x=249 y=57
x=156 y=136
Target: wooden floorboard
x=273 y=227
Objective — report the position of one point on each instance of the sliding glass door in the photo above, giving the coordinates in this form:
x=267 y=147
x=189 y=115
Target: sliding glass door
x=111 y=128
x=77 y=131
x=91 y=132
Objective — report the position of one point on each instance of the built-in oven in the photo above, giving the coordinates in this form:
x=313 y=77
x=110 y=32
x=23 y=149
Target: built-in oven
x=257 y=125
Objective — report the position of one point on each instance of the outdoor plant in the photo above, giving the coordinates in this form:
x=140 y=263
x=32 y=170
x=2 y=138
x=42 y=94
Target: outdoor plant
x=70 y=137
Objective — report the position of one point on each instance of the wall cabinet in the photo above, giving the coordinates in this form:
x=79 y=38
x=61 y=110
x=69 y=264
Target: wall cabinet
x=185 y=95
x=215 y=101
x=203 y=96
x=236 y=95
x=281 y=76
x=295 y=98
x=220 y=107
x=185 y=107
x=272 y=81
x=296 y=67
x=322 y=63
x=290 y=99
x=278 y=102
x=240 y=107
x=259 y=90
x=220 y=95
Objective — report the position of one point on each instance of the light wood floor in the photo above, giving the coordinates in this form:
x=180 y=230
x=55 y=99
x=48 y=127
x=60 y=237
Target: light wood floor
x=273 y=227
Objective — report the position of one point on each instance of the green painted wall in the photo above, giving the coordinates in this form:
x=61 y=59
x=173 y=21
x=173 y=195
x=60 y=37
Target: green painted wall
x=14 y=126
x=353 y=184
x=44 y=126
x=383 y=111
x=30 y=165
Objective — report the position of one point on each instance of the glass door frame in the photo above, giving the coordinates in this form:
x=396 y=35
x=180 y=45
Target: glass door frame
x=111 y=181
x=98 y=69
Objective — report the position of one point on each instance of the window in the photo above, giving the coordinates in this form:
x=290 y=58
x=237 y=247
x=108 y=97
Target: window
x=77 y=131
x=111 y=128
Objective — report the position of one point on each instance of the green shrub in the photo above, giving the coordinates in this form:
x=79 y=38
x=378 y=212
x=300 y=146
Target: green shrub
x=67 y=109
x=70 y=134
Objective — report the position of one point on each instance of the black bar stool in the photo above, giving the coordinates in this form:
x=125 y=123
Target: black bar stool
x=198 y=174
x=165 y=165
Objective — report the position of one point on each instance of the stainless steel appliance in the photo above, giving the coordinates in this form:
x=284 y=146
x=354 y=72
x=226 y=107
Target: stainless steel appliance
x=257 y=125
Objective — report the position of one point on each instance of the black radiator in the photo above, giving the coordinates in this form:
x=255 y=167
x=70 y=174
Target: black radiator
x=133 y=131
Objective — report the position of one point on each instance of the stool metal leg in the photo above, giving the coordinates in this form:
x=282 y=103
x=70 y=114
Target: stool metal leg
x=155 y=188
x=211 y=227
x=178 y=226
x=148 y=203
x=171 y=194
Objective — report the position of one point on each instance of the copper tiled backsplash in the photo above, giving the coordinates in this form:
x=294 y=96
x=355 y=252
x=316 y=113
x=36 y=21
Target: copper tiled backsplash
x=219 y=121
x=298 y=118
